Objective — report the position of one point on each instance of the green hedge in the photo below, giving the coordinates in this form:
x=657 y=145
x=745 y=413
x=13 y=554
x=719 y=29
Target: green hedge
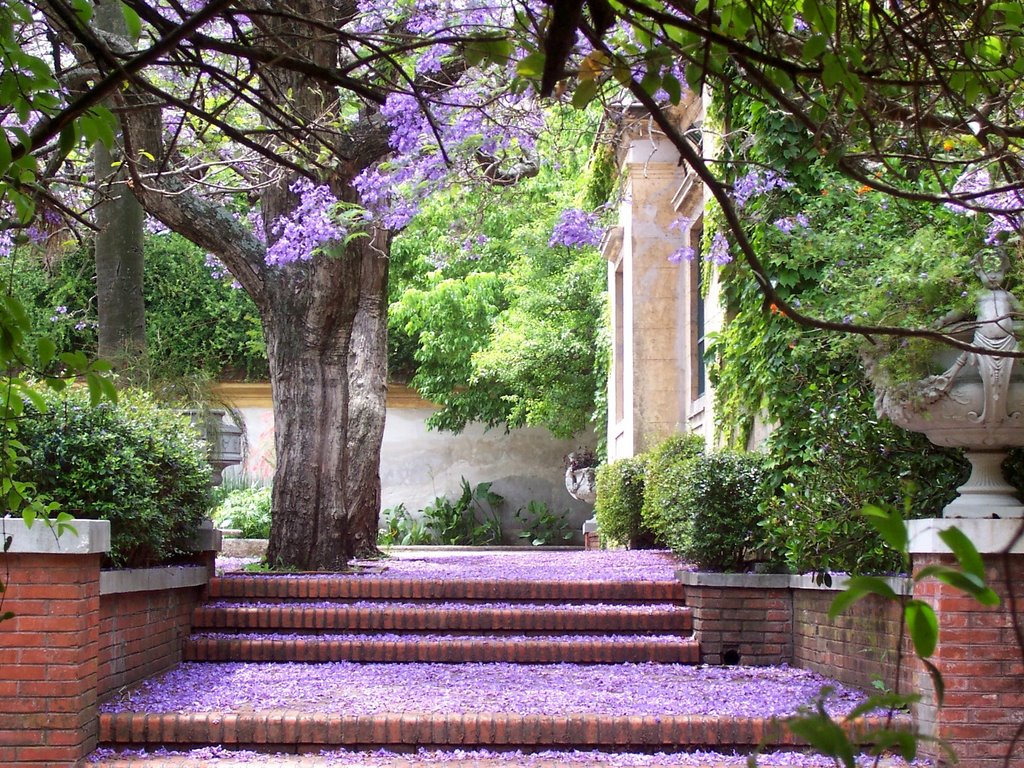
x=620 y=498
x=664 y=464
x=712 y=519
x=139 y=466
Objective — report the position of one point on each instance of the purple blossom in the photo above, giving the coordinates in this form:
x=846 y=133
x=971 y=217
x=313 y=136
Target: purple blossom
x=554 y=689
x=680 y=224
x=309 y=228
x=757 y=183
x=719 y=254
x=686 y=253
x=787 y=224
x=576 y=229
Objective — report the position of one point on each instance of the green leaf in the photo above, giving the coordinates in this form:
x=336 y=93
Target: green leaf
x=859 y=587
x=5 y=152
x=889 y=524
x=815 y=47
x=29 y=515
x=585 y=92
x=532 y=65
x=673 y=88
x=923 y=626
x=132 y=22
x=45 y=349
x=937 y=682
x=820 y=16
x=964 y=550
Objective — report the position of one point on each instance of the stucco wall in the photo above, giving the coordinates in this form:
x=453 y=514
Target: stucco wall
x=418 y=465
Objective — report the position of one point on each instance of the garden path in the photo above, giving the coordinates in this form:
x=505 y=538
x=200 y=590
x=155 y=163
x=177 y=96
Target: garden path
x=577 y=658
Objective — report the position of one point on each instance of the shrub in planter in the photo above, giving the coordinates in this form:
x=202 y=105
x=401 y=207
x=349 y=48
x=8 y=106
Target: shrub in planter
x=665 y=463
x=712 y=520
x=620 y=497
x=246 y=510
x=140 y=466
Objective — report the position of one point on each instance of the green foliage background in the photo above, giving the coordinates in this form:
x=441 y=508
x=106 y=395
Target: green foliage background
x=487 y=319
x=864 y=257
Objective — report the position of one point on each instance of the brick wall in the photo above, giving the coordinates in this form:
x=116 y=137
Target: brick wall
x=755 y=620
x=141 y=634
x=738 y=624
x=856 y=648
x=48 y=712
x=981 y=664
x=78 y=634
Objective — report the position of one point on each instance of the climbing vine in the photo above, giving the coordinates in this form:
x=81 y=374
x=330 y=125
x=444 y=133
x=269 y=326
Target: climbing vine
x=846 y=253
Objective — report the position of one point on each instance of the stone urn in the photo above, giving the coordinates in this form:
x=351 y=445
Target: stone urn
x=975 y=404
x=223 y=438
x=581 y=484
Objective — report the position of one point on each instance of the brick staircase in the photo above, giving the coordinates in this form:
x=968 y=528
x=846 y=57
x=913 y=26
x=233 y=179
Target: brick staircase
x=273 y=619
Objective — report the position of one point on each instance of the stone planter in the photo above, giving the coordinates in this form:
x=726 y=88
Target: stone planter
x=581 y=484
x=976 y=404
x=223 y=437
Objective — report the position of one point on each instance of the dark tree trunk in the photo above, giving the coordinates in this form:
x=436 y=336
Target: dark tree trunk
x=328 y=367
x=324 y=318
x=119 y=243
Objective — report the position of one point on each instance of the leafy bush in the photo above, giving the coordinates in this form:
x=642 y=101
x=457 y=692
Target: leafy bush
x=712 y=521
x=620 y=498
x=542 y=526
x=471 y=519
x=401 y=528
x=247 y=510
x=139 y=466
x=662 y=481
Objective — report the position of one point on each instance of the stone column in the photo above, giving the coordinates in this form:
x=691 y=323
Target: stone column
x=979 y=653
x=48 y=653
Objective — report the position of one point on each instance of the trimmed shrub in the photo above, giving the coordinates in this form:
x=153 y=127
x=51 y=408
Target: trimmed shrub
x=620 y=497
x=712 y=519
x=662 y=481
x=139 y=466
x=246 y=510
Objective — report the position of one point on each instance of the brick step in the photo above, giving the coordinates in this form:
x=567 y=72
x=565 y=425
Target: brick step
x=444 y=649
x=316 y=587
x=451 y=617
x=288 y=730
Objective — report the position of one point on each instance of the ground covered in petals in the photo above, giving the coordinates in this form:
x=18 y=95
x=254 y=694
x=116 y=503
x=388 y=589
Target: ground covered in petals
x=556 y=689
x=218 y=756
x=531 y=565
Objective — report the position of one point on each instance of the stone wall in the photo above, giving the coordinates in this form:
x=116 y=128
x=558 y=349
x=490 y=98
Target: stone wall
x=418 y=464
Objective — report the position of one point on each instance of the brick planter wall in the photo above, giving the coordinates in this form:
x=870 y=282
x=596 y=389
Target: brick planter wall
x=755 y=619
x=857 y=647
x=741 y=619
x=79 y=634
x=142 y=633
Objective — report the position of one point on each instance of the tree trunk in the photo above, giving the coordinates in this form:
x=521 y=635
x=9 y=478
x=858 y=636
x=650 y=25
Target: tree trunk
x=328 y=372
x=119 y=243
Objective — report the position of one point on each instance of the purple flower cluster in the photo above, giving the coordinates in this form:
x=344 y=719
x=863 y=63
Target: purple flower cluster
x=576 y=229
x=757 y=183
x=309 y=228
x=974 y=191
x=718 y=253
x=787 y=224
x=482 y=758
